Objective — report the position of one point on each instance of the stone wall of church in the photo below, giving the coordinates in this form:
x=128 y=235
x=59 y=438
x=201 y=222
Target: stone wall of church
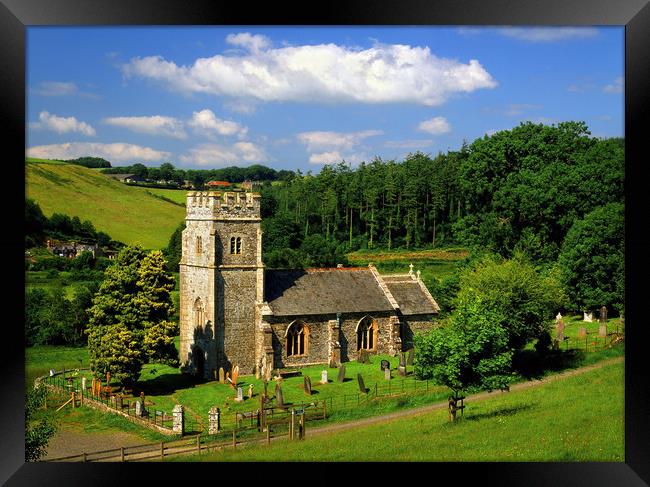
x=318 y=345
x=414 y=324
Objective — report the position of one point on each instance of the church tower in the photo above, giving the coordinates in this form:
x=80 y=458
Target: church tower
x=221 y=282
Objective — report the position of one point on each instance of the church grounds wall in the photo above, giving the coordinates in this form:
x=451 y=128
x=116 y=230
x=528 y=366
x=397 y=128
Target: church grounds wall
x=414 y=324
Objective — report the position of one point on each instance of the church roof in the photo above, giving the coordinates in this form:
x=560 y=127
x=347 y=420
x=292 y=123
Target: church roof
x=344 y=290
x=323 y=291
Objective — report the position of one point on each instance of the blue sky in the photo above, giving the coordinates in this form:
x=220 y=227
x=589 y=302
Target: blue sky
x=298 y=98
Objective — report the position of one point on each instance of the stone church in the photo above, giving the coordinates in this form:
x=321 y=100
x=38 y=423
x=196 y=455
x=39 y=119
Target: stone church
x=235 y=312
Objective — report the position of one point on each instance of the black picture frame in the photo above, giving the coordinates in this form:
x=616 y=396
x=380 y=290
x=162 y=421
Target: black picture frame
x=15 y=15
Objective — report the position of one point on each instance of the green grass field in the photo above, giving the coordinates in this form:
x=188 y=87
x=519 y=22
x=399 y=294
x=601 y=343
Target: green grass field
x=126 y=213
x=575 y=419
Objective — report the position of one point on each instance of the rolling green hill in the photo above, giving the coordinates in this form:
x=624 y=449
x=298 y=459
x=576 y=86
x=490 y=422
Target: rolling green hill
x=126 y=213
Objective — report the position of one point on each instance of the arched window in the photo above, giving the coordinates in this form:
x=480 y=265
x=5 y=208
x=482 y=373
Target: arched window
x=235 y=245
x=199 y=245
x=199 y=316
x=367 y=334
x=297 y=339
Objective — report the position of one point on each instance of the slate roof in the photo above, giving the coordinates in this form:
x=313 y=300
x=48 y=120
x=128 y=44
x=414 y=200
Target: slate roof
x=323 y=291
x=345 y=290
x=411 y=298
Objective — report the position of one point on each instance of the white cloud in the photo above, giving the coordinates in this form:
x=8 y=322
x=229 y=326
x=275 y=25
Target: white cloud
x=152 y=125
x=118 y=152
x=332 y=157
x=324 y=72
x=207 y=123
x=55 y=88
x=408 y=144
x=62 y=125
x=615 y=87
x=435 y=126
x=245 y=107
x=322 y=140
x=548 y=34
x=221 y=155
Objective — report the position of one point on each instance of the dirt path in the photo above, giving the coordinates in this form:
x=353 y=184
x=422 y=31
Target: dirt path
x=72 y=443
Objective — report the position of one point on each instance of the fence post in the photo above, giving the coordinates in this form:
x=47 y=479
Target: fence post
x=268 y=436
x=85 y=458
x=234 y=438
x=122 y=454
x=198 y=443
x=324 y=409
x=162 y=450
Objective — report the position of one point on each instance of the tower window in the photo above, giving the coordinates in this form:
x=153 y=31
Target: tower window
x=235 y=245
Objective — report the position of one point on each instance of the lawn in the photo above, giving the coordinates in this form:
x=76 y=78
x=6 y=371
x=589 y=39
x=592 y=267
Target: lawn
x=575 y=419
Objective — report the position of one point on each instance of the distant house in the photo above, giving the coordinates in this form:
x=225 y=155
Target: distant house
x=120 y=177
x=218 y=184
x=250 y=185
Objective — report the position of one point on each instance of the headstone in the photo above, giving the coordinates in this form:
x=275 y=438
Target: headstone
x=138 y=408
x=582 y=332
x=307 y=385
x=387 y=375
x=83 y=383
x=235 y=375
x=341 y=376
x=588 y=317
x=603 y=315
x=560 y=330
x=240 y=395
x=323 y=377
x=178 y=419
x=362 y=386
x=119 y=402
x=52 y=372
x=268 y=373
x=385 y=364
x=214 y=420
x=602 y=330
x=250 y=391
x=558 y=317
x=279 y=398
x=401 y=371
x=409 y=357
x=402 y=359
x=363 y=357
x=222 y=376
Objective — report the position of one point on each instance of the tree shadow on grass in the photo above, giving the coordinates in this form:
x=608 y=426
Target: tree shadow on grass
x=509 y=411
x=169 y=383
x=533 y=365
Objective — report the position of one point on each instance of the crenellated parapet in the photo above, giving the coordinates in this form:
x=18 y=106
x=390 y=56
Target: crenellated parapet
x=213 y=205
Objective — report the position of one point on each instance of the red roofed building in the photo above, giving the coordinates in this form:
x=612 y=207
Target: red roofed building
x=218 y=184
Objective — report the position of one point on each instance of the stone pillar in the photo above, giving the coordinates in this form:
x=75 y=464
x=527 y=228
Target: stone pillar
x=334 y=347
x=395 y=342
x=178 y=419
x=138 y=408
x=214 y=420
x=83 y=384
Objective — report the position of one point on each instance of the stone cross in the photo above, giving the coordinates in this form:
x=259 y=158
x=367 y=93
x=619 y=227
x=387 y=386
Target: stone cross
x=178 y=419
x=250 y=391
x=240 y=395
x=362 y=386
x=323 y=377
x=387 y=375
x=307 y=385
x=341 y=376
x=279 y=399
x=411 y=269
x=418 y=274
x=222 y=376
x=558 y=317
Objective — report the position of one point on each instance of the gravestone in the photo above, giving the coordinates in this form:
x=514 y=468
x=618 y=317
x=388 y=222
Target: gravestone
x=138 y=408
x=240 y=395
x=387 y=375
x=83 y=383
x=588 y=317
x=602 y=329
x=52 y=372
x=341 y=376
x=323 y=377
x=409 y=357
x=119 y=402
x=307 y=385
x=582 y=332
x=385 y=364
x=214 y=420
x=250 y=391
x=362 y=386
x=558 y=317
x=178 y=419
x=222 y=376
x=559 y=328
x=402 y=359
x=401 y=371
x=279 y=398
x=268 y=373
x=363 y=357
